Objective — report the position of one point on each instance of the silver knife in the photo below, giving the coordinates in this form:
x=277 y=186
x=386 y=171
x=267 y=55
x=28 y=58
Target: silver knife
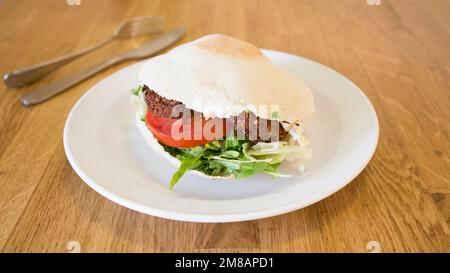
x=145 y=50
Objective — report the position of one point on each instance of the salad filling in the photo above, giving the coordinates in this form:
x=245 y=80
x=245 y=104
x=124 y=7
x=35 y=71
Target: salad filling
x=225 y=155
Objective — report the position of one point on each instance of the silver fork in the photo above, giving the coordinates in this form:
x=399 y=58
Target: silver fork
x=135 y=27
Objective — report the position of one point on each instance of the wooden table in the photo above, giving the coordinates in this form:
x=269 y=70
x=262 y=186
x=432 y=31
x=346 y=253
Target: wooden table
x=397 y=52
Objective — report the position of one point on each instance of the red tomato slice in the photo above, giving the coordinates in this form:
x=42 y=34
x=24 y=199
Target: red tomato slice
x=185 y=133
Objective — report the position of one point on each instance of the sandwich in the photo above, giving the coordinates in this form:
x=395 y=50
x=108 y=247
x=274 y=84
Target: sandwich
x=219 y=108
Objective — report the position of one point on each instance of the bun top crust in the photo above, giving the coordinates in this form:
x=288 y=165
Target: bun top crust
x=221 y=76
x=229 y=46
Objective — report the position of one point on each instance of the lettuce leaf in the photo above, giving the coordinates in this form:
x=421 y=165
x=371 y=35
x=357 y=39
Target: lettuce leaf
x=136 y=90
x=223 y=158
x=187 y=164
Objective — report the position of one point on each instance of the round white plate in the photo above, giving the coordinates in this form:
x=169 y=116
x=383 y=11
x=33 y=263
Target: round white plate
x=105 y=148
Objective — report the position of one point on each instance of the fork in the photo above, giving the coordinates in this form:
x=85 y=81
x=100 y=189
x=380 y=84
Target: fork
x=135 y=27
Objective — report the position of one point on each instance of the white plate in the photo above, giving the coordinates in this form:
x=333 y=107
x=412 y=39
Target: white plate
x=108 y=152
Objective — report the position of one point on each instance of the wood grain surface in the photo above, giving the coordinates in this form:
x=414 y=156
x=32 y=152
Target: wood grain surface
x=397 y=52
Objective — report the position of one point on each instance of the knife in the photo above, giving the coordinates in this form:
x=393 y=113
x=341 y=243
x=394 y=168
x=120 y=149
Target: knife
x=148 y=49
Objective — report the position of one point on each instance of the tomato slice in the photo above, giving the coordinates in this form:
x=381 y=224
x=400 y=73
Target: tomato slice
x=185 y=133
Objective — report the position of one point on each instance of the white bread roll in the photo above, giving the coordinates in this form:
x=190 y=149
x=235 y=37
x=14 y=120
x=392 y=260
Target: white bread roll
x=229 y=74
